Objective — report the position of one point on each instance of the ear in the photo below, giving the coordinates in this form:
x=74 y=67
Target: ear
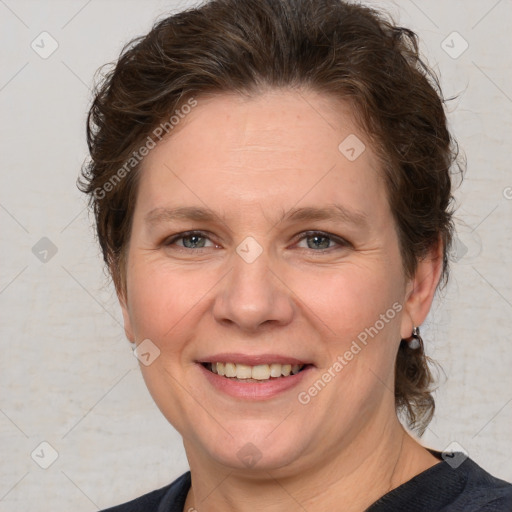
x=122 y=297
x=420 y=290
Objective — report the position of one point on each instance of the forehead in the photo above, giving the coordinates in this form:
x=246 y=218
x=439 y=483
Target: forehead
x=275 y=150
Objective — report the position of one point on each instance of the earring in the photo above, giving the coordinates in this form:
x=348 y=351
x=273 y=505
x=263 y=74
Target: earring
x=415 y=341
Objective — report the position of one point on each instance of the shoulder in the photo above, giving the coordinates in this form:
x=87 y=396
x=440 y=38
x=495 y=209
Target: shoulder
x=147 y=503
x=170 y=498
x=449 y=487
x=482 y=492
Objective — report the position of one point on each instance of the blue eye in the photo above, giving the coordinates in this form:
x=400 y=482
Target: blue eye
x=190 y=240
x=317 y=241
x=320 y=240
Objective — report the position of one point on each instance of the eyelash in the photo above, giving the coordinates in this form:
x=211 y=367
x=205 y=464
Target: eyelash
x=307 y=234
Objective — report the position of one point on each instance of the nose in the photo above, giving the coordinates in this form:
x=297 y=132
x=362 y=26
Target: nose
x=254 y=295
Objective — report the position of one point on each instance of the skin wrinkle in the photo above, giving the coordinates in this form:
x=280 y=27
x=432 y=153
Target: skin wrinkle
x=290 y=301
x=331 y=212
x=251 y=135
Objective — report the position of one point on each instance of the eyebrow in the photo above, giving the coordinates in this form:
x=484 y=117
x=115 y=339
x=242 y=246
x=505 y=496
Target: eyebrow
x=333 y=212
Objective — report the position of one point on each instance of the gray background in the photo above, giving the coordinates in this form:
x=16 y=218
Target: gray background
x=68 y=376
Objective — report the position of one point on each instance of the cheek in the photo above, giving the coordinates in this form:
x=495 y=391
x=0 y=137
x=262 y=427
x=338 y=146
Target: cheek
x=350 y=299
x=357 y=309
x=163 y=300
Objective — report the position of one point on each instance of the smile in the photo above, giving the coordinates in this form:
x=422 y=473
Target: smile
x=256 y=381
x=257 y=373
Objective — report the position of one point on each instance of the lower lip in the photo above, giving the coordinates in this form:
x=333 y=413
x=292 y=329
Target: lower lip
x=254 y=390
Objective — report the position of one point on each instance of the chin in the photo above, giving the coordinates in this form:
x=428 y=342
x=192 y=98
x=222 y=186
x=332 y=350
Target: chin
x=253 y=449
x=253 y=460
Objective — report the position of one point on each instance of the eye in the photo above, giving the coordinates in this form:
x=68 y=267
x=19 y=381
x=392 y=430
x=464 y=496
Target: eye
x=319 y=241
x=190 y=240
x=322 y=241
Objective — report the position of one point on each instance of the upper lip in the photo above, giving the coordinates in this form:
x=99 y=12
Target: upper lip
x=252 y=360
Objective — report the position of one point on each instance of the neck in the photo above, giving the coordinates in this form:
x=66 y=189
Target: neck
x=356 y=476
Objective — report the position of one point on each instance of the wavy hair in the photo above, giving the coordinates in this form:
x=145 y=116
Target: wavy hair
x=347 y=51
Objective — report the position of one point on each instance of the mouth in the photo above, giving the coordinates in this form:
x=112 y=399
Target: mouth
x=257 y=374
x=265 y=378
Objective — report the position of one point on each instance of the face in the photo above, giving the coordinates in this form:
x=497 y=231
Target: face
x=257 y=241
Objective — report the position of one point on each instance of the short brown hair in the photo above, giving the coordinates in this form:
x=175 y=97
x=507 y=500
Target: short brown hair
x=343 y=50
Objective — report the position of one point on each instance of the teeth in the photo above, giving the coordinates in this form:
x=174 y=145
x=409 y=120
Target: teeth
x=286 y=369
x=258 y=372
x=295 y=369
x=261 y=372
x=243 y=371
x=275 y=370
x=230 y=370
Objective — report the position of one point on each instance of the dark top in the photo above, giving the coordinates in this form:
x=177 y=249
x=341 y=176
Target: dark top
x=441 y=488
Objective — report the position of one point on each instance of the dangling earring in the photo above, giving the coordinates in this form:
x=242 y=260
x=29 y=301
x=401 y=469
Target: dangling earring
x=415 y=341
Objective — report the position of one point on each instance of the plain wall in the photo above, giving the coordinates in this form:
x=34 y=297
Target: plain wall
x=68 y=376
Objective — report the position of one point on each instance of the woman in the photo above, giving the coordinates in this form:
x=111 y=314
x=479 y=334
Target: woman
x=271 y=185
